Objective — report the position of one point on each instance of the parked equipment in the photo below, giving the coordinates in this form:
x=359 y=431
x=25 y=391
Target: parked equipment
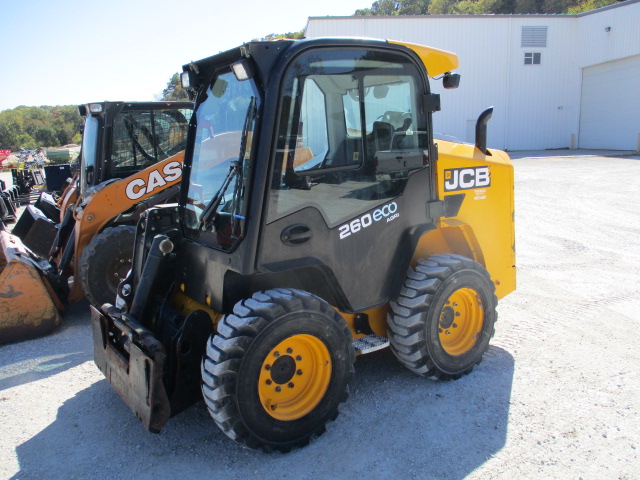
x=318 y=219
x=131 y=159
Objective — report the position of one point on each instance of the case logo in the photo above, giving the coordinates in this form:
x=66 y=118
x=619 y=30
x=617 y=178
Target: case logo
x=466 y=178
x=138 y=187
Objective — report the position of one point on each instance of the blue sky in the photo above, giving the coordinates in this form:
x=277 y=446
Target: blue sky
x=77 y=51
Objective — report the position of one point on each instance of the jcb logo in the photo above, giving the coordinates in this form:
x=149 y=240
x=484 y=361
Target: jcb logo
x=137 y=187
x=466 y=178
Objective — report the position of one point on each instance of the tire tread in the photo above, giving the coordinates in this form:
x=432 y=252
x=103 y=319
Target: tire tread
x=406 y=327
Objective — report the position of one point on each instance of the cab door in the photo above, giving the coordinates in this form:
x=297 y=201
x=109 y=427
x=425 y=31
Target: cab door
x=351 y=177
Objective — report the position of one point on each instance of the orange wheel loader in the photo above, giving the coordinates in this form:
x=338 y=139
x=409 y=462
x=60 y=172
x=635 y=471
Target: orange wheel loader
x=131 y=158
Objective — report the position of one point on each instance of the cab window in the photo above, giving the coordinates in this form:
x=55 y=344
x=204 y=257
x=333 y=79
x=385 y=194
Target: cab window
x=350 y=133
x=144 y=137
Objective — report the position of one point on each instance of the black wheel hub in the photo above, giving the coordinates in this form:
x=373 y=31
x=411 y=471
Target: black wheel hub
x=283 y=369
x=446 y=317
x=117 y=270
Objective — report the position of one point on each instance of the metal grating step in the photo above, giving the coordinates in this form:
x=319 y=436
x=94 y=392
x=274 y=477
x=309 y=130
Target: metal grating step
x=370 y=343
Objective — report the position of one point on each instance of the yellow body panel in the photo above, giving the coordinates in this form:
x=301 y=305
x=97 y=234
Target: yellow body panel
x=483 y=229
x=436 y=61
x=377 y=321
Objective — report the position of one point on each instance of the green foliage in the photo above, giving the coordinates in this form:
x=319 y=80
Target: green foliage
x=587 y=5
x=24 y=140
x=474 y=7
x=32 y=127
x=479 y=7
x=526 y=6
x=174 y=91
x=281 y=36
x=396 y=7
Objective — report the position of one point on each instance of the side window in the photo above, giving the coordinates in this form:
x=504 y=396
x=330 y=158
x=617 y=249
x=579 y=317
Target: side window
x=312 y=146
x=350 y=133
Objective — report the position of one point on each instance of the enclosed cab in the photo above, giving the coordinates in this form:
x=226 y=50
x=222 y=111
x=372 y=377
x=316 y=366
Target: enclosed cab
x=318 y=219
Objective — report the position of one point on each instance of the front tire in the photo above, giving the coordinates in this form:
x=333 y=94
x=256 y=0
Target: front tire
x=443 y=319
x=277 y=369
x=104 y=263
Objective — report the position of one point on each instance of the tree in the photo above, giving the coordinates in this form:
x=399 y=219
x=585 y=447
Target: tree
x=25 y=141
x=281 y=36
x=474 y=7
x=554 y=6
x=587 y=5
x=441 y=7
x=47 y=136
x=174 y=90
x=526 y=6
x=414 y=7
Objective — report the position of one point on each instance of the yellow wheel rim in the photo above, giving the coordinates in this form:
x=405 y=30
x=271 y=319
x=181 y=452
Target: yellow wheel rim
x=294 y=377
x=461 y=320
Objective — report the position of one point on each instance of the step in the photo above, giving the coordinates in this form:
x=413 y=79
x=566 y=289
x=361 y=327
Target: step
x=370 y=343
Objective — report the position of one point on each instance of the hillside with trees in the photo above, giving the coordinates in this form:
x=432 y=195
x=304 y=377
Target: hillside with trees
x=33 y=127
x=479 y=7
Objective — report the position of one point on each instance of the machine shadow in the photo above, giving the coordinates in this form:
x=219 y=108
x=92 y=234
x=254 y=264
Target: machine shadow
x=43 y=357
x=394 y=425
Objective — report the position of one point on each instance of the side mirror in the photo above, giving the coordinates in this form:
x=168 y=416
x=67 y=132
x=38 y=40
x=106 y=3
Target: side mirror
x=380 y=91
x=451 y=80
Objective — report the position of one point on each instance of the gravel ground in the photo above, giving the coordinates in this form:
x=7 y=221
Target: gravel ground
x=556 y=396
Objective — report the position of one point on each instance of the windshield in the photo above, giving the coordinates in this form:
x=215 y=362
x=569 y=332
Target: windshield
x=89 y=152
x=225 y=121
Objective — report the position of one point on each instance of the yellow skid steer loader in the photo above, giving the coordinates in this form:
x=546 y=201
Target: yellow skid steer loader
x=318 y=219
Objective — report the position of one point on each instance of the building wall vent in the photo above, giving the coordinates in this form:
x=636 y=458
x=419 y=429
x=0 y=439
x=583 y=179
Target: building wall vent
x=534 y=37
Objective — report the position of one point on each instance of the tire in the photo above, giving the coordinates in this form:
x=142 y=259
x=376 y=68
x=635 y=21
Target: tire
x=277 y=369
x=442 y=321
x=105 y=262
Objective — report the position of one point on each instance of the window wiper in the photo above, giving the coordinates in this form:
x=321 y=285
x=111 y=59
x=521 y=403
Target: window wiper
x=210 y=212
x=235 y=170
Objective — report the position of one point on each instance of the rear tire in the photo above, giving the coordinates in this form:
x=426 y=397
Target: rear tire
x=105 y=262
x=443 y=319
x=277 y=369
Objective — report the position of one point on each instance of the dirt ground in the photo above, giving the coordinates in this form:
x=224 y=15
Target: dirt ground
x=557 y=395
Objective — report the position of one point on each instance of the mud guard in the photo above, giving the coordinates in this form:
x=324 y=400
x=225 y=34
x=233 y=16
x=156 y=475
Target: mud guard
x=133 y=361
x=27 y=309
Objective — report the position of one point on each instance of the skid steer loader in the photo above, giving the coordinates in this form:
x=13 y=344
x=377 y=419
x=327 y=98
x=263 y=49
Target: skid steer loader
x=131 y=159
x=318 y=219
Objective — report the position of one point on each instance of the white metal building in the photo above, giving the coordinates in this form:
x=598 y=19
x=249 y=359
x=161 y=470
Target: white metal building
x=555 y=81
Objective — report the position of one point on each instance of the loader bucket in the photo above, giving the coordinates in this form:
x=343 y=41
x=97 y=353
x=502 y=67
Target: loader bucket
x=36 y=231
x=27 y=309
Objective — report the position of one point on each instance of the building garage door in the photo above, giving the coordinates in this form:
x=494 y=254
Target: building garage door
x=610 y=105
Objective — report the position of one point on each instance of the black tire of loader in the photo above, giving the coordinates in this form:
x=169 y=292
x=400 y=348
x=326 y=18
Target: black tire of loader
x=235 y=356
x=108 y=253
x=414 y=318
